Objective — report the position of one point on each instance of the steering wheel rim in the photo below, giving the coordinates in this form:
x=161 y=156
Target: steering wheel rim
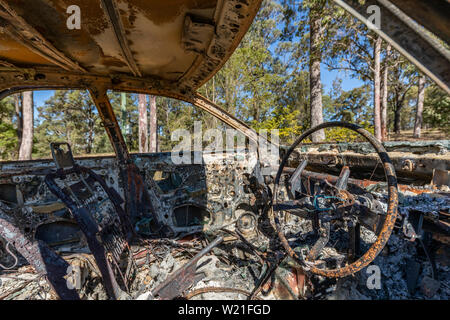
x=391 y=214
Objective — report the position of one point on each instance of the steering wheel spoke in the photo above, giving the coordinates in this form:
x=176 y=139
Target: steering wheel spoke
x=354 y=229
x=320 y=244
x=294 y=207
x=341 y=183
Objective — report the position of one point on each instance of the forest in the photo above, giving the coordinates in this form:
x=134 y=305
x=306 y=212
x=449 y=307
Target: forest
x=272 y=81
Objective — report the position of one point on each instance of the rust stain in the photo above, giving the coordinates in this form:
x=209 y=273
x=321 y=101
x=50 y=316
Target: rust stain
x=160 y=12
x=152 y=30
x=113 y=62
x=48 y=17
x=93 y=17
x=18 y=54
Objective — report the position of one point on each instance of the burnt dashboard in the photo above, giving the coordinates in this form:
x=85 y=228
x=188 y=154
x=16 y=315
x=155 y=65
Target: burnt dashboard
x=223 y=190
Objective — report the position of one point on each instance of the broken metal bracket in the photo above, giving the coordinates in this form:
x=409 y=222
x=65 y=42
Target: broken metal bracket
x=181 y=280
x=63 y=159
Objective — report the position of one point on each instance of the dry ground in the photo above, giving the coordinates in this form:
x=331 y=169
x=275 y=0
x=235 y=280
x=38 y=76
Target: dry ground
x=427 y=134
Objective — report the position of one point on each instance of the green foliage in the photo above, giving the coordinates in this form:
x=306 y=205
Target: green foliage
x=346 y=135
x=129 y=120
x=8 y=131
x=69 y=116
x=248 y=84
x=436 y=112
x=8 y=141
x=351 y=106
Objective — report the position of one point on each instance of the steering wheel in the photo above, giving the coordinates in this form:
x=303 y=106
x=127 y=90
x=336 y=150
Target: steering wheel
x=328 y=203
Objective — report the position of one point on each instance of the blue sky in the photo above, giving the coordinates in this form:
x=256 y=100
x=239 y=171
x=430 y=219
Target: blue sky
x=348 y=83
x=40 y=97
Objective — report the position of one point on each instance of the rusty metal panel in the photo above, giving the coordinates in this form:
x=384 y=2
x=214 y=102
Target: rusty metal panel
x=141 y=39
x=407 y=37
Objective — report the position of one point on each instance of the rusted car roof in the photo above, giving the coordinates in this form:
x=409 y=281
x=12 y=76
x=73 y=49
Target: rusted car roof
x=181 y=43
x=172 y=47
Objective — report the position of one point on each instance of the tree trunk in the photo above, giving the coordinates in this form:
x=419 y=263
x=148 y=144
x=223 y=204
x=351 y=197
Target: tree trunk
x=90 y=142
x=143 y=123
x=397 y=118
x=90 y=138
x=214 y=90
x=166 y=128
x=376 y=89
x=123 y=117
x=384 y=102
x=315 y=84
x=19 y=116
x=419 y=108
x=26 y=147
x=153 y=125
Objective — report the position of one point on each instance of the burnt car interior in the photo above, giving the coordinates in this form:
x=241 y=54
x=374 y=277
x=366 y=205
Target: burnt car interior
x=109 y=207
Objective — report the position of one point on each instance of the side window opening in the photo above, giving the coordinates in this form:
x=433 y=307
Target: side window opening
x=31 y=120
x=71 y=116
